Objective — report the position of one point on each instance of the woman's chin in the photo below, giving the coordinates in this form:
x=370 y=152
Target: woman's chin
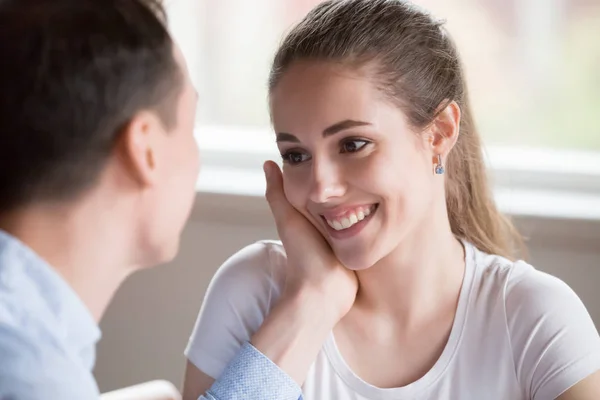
x=355 y=260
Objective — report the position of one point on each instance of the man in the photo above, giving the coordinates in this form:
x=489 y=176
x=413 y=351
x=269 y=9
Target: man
x=98 y=166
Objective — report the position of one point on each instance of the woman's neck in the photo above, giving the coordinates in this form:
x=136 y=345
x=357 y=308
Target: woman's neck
x=422 y=274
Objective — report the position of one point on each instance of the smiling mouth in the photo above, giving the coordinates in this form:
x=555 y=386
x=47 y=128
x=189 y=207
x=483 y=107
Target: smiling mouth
x=351 y=218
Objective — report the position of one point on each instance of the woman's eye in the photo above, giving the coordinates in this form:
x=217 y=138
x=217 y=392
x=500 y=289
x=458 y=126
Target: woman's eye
x=294 y=157
x=352 y=146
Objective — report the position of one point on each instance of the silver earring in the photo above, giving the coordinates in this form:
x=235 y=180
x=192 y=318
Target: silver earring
x=439 y=168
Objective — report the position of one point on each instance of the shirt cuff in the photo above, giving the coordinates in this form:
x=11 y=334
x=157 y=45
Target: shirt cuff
x=251 y=375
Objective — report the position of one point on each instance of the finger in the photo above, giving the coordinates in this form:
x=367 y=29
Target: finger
x=274 y=193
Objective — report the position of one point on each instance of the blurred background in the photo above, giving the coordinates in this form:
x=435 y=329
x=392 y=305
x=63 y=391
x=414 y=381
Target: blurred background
x=533 y=68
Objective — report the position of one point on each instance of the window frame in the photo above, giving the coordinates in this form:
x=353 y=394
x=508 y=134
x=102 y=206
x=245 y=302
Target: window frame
x=526 y=182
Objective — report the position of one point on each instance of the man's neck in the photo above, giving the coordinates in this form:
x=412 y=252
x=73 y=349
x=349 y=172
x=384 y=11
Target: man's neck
x=80 y=244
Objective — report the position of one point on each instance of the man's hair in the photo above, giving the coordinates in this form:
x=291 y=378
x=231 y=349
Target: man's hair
x=73 y=73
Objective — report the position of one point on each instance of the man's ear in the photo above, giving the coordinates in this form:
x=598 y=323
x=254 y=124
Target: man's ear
x=443 y=131
x=139 y=145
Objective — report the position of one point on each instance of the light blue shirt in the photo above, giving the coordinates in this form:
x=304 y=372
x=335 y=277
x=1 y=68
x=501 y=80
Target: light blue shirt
x=252 y=376
x=48 y=340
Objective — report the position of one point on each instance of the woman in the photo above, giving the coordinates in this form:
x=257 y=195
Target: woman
x=381 y=155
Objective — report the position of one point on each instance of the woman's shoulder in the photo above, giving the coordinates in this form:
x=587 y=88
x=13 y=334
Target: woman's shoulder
x=258 y=267
x=531 y=299
x=552 y=336
x=262 y=255
x=519 y=281
x=239 y=296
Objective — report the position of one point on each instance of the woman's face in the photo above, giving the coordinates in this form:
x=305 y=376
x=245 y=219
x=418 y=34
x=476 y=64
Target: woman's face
x=352 y=164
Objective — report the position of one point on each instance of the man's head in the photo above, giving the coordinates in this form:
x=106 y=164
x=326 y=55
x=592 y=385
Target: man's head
x=96 y=101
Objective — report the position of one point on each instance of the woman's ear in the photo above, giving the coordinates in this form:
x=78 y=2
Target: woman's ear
x=443 y=131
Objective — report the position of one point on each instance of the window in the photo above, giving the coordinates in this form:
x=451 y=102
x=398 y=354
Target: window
x=533 y=69
x=533 y=66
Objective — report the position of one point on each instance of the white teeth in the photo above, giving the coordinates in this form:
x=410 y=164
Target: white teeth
x=349 y=220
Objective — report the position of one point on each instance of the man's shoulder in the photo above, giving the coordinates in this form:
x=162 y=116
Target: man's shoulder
x=24 y=314
x=35 y=360
x=33 y=368
x=39 y=343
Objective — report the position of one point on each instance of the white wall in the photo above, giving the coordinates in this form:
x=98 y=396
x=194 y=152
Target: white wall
x=148 y=324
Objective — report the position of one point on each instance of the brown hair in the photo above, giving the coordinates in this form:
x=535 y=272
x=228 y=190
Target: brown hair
x=416 y=65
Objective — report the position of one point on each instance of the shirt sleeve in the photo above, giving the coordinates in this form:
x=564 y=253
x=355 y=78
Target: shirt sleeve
x=239 y=297
x=554 y=341
x=251 y=375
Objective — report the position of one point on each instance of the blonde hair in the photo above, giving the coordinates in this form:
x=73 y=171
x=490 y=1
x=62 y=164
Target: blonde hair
x=416 y=65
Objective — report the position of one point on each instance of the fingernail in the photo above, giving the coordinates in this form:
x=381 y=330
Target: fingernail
x=267 y=170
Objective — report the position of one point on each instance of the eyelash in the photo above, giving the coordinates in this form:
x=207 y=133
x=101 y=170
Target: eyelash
x=287 y=156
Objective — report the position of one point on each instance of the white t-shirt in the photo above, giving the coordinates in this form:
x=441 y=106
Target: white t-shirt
x=518 y=333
